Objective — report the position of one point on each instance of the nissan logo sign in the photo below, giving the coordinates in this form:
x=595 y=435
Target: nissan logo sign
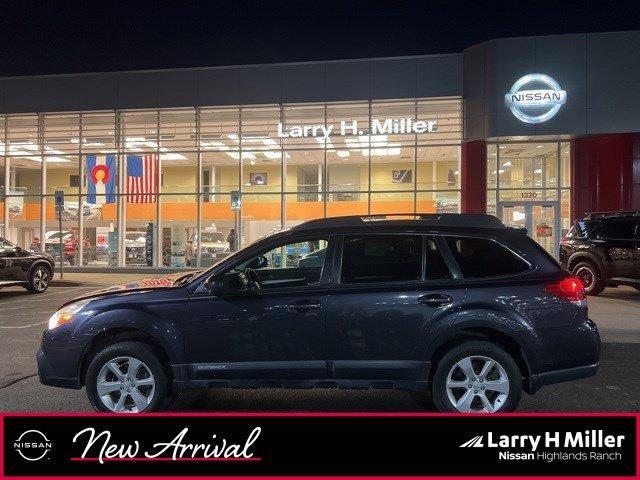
x=535 y=98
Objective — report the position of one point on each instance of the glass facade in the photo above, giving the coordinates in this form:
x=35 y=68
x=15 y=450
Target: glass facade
x=529 y=185
x=153 y=187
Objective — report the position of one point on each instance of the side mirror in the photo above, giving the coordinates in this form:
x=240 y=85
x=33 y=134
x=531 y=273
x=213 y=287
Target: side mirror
x=259 y=262
x=213 y=286
x=230 y=283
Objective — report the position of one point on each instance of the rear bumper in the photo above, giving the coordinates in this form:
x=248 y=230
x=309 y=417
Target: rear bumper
x=537 y=381
x=49 y=377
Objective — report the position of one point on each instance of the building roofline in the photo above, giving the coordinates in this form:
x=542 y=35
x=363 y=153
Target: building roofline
x=227 y=67
x=309 y=62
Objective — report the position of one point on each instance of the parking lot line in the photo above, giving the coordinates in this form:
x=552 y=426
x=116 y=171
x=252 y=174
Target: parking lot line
x=21 y=326
x=41 y=296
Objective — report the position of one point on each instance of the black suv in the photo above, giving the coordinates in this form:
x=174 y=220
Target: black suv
x=20 y=267
x=603 y=250
x=458 y=306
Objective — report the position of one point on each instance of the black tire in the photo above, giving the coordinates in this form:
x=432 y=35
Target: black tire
x=590 y=275
x=140 y=351
x=477 y=349
x=39 y=279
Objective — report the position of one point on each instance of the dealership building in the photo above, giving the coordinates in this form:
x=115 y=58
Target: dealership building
x=167 y=168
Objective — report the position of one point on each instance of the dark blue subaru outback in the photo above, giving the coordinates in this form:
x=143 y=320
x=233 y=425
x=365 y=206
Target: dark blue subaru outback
x=458 y=306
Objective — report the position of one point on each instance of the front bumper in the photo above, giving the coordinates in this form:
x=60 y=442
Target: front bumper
x=49 y=377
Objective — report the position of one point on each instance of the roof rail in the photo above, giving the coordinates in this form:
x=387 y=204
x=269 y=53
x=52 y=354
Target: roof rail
x=477 y=220
x=628 y=213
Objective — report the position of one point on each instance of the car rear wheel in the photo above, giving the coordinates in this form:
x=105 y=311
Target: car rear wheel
x=476 y=377
x=127 y=377
x=39 y=279
x=590 y=276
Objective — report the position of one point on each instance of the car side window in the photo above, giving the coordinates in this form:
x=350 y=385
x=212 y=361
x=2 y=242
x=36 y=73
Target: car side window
x=483 y=258
x=436 y=266
x=381 y=258
x=618 y=230
x=297 y=264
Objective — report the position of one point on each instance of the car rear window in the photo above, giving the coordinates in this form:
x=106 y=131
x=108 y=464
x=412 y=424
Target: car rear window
x=483 y=258
x=381 y=258
x=581 y=229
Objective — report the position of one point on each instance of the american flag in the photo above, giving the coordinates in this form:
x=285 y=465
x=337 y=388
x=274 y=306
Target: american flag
x=142 y=178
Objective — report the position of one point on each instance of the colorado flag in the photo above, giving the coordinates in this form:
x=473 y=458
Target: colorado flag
x=101 y=179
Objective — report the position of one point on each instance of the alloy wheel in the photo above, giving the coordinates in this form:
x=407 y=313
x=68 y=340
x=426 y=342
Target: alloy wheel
x=477 y=384
x=586 y=276
x=126 y=384
x=41 y=279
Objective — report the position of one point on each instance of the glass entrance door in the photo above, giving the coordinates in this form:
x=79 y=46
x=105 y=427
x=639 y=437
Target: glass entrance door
x=541 y=220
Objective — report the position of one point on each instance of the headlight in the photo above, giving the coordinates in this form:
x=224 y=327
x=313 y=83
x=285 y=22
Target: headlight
x=67 y=313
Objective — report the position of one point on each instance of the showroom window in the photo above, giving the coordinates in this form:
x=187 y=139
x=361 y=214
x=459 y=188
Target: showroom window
x=149 y=188
x=529 y=185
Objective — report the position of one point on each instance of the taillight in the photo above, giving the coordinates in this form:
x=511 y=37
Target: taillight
x=570 y=289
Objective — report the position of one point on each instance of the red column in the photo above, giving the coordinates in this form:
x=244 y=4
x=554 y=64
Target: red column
x=473 y=177
x=635 y=195
x=602 y=174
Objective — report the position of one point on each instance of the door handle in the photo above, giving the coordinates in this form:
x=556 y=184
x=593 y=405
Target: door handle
x=436 y=300
x=304 y=305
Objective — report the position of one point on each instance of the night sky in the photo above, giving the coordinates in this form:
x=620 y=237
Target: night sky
x=100 y=35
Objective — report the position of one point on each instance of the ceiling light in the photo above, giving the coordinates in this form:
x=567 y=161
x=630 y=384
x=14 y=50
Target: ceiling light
x=456 y=172
x=537 y=170
x=506 y=164
x=539 y=146
x=502 y=170
x=252 y=162
x=502 y=147
x=343 y=153
x=172 y=156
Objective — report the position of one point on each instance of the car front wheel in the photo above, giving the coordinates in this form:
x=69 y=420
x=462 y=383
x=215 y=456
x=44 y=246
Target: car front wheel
x=39 y=279
x=477 y=377
x=127 y=377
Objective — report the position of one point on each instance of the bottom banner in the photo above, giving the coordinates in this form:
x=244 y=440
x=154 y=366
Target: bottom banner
x=319 y=445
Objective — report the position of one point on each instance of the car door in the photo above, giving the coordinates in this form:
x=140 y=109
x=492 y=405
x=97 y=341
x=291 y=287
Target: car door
x=618 y=238
x=275 y=333
x=393 y=293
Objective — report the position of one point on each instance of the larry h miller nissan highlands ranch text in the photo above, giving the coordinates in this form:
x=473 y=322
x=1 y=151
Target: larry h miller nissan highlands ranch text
x=459 y=307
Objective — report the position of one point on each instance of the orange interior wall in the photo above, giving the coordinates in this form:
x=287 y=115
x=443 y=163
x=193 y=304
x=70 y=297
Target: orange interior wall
x=258 y=210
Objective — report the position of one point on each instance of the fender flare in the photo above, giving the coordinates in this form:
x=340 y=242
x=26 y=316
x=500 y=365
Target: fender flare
x=132 y=321
x=494 y=332
x=37 y=263
x=590 y=257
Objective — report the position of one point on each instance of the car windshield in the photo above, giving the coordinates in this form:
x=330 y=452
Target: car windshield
x=5 y=243
x=211 y=237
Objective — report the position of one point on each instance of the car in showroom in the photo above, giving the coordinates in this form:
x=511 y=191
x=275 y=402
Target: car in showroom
x=459 y=307
x=213 y=244
x=24 y=268
x=603 y=250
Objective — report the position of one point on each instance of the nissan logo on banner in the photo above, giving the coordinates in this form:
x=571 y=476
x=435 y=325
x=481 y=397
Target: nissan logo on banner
x=535 y=98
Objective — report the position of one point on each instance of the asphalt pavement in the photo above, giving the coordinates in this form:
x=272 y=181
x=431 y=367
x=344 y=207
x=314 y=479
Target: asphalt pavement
x=23 y=318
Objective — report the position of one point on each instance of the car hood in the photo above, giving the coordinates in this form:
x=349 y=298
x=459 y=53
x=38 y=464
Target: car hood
x=157 y=283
